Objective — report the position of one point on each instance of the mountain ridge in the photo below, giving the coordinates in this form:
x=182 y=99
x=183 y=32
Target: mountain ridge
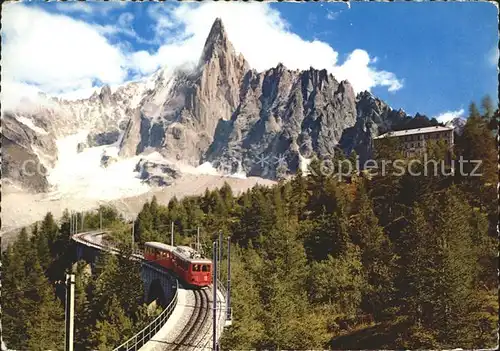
x=228 y=114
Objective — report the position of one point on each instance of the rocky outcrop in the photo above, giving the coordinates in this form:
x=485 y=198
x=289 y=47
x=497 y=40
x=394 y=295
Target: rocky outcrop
x=283 y=114
x=104 y=138
x=81 y=146
x=221 y=111
x=132 y=135
x=156 y=173
x=458 y=124
x=225 y=113
x=373 y=117
x=107 y=160
x=26 y=154
x=180 y=116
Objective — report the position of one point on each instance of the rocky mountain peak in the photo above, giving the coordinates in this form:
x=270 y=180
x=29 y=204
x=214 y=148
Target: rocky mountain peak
x=217 y=42
x=105 y=94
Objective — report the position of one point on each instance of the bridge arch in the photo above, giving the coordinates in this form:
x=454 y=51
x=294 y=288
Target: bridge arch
x=157 y=293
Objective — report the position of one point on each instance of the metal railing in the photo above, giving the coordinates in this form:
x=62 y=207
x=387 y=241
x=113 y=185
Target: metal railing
x=142 y=337
x=222 y=288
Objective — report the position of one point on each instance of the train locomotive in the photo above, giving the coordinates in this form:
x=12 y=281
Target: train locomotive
x=184 y=261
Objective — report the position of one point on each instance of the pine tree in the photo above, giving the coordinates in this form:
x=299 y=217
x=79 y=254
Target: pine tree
x=256 y=219
x=299 y=195
x=477 y=144
x=46 y=320
x=50 y=230
x=487 y=106
x=437 y=271
x=417 y=273
x=247 y=329
x=113 y=330
x=14 y=305
x=338 y=282
x=284 y=297
x=82 y=277
x=376 y=254
x=473 y=111
x=41 y=244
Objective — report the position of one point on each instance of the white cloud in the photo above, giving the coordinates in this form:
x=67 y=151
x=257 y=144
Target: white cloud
x=267 y=43
x=332 y=15
x=59 y=54
x=89 y=8
x=54 y=52
x=124 y=25
x=450 y=115
x=79 y=6
x=493 y=56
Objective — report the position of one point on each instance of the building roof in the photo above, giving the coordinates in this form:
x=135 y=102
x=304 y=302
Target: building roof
x=415 y=131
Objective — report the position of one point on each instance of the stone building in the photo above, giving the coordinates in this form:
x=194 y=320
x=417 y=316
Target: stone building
x=415 y=141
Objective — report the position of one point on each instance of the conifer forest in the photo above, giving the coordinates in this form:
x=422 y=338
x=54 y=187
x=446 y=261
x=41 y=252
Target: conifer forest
x=317 y=262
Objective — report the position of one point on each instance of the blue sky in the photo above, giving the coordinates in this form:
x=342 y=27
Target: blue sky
x=428 y=57
x=443 y=51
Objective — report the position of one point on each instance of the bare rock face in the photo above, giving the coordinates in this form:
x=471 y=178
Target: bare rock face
x=241 y=120
x=374 y=117
x=129 y=145
x=107 y=160
x=81 y=146
x=103 y=138
x=157 y=174
x=225 y=113
x=457 y=124
x=180 y=116
x=26 y=154
x=105 y=96
x=283 y=114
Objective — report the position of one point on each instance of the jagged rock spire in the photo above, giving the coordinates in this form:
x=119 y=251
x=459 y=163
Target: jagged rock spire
x=217 y=42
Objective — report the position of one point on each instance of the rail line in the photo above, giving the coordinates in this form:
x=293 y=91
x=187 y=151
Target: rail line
x=191 y=333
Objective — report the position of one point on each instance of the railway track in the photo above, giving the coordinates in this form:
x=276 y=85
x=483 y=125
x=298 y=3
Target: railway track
x=190 y=335
x=193 y=334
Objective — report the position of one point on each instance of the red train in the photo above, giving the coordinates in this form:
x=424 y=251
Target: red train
x=184 y=261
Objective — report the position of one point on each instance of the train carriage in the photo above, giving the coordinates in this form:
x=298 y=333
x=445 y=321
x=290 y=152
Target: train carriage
x=191 y=267
x=159 y=253
x=184 y=261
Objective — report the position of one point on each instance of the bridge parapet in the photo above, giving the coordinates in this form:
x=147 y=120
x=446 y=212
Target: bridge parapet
x=89 y=249
x=146 y=334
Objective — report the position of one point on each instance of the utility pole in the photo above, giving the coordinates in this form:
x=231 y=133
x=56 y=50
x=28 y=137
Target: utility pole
x=2 y=346
x=172 y=235
x=220 y=252
x=76 y=223
x=198 y=240
x=133 y=238
x=83 y=216
x=70 y=311
x=228 y=297
x=214 y=302
x=100 y=218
